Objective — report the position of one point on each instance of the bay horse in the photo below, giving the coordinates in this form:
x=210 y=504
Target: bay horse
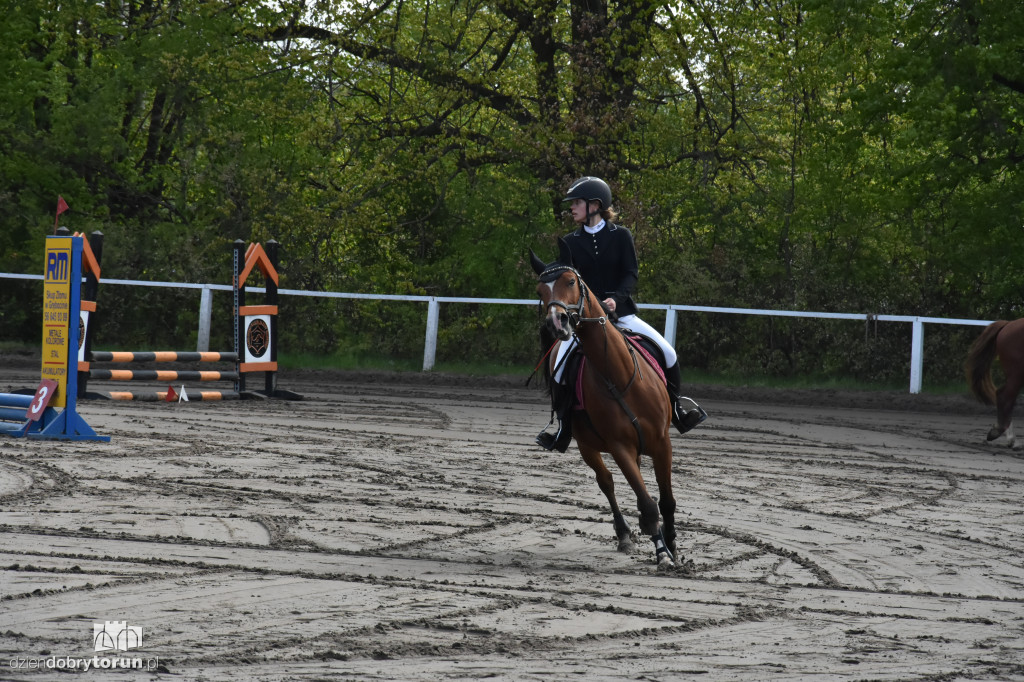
x=1003 y=339
x=626 y=411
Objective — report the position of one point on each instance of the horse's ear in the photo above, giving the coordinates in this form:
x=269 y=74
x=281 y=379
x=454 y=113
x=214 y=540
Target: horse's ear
x=537 y=263
x=564 y=254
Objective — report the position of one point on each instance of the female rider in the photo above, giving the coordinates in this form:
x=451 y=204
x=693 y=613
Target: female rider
x=605 y=256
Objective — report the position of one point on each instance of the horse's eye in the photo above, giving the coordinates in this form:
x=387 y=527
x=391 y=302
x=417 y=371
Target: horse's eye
x=572 y=281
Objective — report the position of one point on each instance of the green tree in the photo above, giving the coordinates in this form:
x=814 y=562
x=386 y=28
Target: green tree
x=946 y=101
x=859 y=156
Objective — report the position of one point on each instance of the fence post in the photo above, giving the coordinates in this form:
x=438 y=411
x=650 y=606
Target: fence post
x=205 y=311
x=916 y=355
x=670 y=326
x=430 y=343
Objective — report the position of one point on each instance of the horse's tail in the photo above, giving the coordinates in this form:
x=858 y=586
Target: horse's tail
x=978 y=365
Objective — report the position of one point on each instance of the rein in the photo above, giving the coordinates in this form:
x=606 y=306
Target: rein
x=541 y=362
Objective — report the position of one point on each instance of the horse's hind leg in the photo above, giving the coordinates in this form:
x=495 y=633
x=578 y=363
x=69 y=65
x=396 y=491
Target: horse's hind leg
x=623 y=533
x=650 y=521
x=1006 y=399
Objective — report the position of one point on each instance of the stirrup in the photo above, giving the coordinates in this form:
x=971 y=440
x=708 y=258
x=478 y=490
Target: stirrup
x=554 y=441
x=546 y=440
x=685 y=420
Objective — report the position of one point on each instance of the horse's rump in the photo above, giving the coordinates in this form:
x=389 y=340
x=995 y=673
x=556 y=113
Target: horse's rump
x=979 y=361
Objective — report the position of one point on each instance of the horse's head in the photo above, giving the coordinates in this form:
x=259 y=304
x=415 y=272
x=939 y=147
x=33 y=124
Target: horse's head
x=562 y=292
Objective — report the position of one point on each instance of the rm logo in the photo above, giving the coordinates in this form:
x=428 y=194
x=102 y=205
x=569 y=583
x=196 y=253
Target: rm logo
x=58 y=266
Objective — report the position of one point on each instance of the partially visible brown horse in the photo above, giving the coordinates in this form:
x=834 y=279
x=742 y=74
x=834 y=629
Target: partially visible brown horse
x=626 y=408
x=1005 y=340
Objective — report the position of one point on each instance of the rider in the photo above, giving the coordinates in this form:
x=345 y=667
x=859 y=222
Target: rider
x=605 y=256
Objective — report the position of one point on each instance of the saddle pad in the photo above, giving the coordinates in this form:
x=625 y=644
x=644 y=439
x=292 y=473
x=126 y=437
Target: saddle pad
x=635 y=342
x=579 y=385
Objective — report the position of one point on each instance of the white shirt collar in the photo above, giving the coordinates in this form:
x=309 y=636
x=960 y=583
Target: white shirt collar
x=595 y=229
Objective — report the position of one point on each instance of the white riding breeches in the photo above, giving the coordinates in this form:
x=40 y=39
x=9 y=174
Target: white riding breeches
x=636 y=324
x=628 y=322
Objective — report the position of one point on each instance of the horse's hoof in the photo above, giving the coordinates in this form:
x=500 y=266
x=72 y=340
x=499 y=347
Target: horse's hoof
x=665 y=563
x=627 y=546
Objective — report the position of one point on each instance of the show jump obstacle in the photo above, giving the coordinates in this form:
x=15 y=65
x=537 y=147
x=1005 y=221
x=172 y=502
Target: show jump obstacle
x=256 y=325
x=255 y=331
x=51 y=413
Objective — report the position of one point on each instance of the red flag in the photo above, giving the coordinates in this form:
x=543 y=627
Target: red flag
x=61 y=207
x=171 y=395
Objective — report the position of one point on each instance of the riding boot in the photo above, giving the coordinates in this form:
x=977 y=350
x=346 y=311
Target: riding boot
x=561 y=404
x=686 y=413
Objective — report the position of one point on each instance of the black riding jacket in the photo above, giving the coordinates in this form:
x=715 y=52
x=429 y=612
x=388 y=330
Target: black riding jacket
x=608 y=264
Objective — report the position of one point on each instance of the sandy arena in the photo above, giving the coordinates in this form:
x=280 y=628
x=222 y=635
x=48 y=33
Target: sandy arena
x=405 y=527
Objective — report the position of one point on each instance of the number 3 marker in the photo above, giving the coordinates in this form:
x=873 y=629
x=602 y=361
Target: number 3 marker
x=44 y=394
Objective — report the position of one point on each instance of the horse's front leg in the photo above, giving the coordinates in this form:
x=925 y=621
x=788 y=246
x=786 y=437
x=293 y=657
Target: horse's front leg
x=623 y=533
x=661 y=457
x=663 y=534
x=667 y=505
x=650 y=518
x=661 y=527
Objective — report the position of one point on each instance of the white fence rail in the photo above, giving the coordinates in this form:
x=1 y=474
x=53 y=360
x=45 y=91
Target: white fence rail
x=434 y=303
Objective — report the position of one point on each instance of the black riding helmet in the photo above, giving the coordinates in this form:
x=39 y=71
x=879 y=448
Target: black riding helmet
x=590 y=188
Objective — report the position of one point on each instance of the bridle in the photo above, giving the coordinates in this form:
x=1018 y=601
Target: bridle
x=573 y=312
